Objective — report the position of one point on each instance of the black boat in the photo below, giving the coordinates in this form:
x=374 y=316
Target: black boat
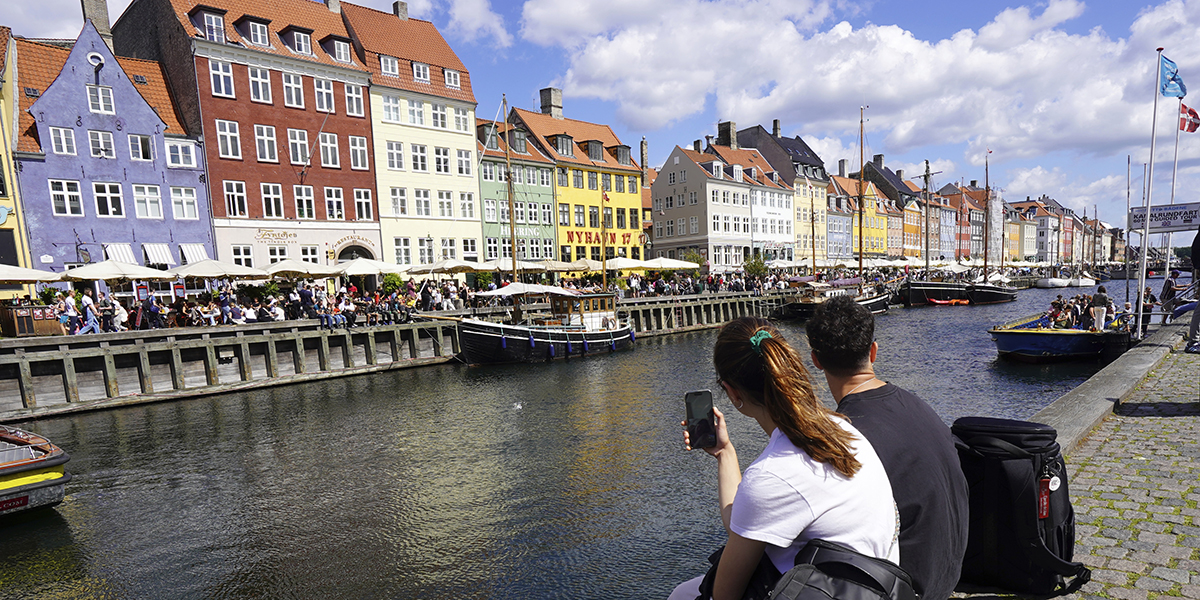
x=919 y=292
x=813 y=293
x=986 y=293
x=580 y=324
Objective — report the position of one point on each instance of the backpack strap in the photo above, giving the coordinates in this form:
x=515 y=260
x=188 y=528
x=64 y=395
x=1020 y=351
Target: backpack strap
x=841 y=561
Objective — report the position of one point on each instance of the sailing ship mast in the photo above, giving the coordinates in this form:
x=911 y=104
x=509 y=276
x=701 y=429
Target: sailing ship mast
x=926 y=193
x=861 y=192
x=987 y=216
x=512 y=215
x=812 y=221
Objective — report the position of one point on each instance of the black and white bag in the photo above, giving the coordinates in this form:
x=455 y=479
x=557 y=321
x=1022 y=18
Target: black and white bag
x=1022 y=530
x=826 y=570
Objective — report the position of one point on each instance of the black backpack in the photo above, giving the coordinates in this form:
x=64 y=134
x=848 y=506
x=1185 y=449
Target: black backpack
x=826 y=570
x=1022 y=526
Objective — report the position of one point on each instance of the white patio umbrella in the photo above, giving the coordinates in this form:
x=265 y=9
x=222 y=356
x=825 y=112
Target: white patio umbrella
x=506 y=264
x=557 y=266
x=587 y=264
x=13 y=275
x=294 y=269
x=114 y=270
x=215 y=269
x=447 y=265
x=665 y=263
x=622 y=263
x=517 y=289
x=368 y=266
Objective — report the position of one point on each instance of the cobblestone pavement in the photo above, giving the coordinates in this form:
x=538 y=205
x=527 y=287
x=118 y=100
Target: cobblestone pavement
x=1136 y=488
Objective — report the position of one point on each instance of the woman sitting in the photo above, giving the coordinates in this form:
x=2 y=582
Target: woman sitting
x=817 y=478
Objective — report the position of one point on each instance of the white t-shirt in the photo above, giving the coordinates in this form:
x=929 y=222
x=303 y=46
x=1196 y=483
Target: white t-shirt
x=786 y=499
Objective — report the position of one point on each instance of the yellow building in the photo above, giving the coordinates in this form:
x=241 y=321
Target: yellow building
x=874 y=218
x=13 y=248
x=811 y=218
x=590 y=162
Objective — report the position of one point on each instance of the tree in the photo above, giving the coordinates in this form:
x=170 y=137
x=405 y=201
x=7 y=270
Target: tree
x=755 y=267
x=693 y=256
x=391 y=283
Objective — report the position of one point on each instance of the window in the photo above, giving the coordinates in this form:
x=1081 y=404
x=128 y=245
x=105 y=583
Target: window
x=362 y=205
x=141 y=147
x=519 y=212
x=441 y=160
x=302 y=43
x=395 y=155
x=298 y=146
x=491 y=247
x=448 y=249
x=520 y=142
x=329 y=150
x=416 y=112
x=305 y=206
x=489 y=210
x=229 y=143
x=293 y=90
x=462 y=119
x=594 y=217
x=354 y=100
x=235 y=198
x=272 y=200
x=503 y=211
x=606 y=182
x=620 y=217
x=100 y=99
x=214 y=28
x=310 y=254
x=324 y=91
x=222 y=78
x=241 y=256
x=518 y=174
x=506 y=248
x=620 y=181
x=439 y=115
x=421 y=203
x=565 y=252
x=716 y=223
x=592 y=180
x=544 y=177
x=403 y=251
x=419 y=158
x=425 y=250
x=146 y=202
x=399 y=202
x=391 y=109
x=358 y=152
x=258 y=34
x=608 y=218
x=264 y=142
x=102 y=144
x=63 y=140
x=260 y=85
x=694 y=224
x=389 y=65
x=564 y=146
x=579 y=219
x=276 y=254
x=421 y=72
x=547 y=214
x=179 y=154
x=445 y=204
x=452 y=79
x=633 y=186
x=488 y=171
x=577 y=178
x=183 y=203
x=469 y=247
x=65 y=197
x=670 y=231
x=466 y=205
x=341 y=51
x=334 y=205
x=108 y=199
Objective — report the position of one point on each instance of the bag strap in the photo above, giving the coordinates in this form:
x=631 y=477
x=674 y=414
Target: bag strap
x=886 y=577
x=987 y=441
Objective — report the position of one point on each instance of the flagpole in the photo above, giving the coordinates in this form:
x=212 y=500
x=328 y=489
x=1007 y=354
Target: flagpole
x=1128 y=238
x=1149 y=199
x=1167 y=238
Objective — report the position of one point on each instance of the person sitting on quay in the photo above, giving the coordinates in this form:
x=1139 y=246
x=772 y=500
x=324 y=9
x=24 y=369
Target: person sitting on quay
x=826 y=482
x=913 y=442
x=329 y=316
x=277 y=310
x=347 y=309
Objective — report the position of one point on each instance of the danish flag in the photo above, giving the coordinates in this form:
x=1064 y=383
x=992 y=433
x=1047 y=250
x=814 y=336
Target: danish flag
x=1189 y=121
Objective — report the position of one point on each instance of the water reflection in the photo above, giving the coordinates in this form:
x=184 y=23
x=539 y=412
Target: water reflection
x=529 y=481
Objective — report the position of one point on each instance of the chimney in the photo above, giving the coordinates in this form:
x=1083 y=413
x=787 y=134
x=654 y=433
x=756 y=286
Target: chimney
x=696 y=146
x=900 y=174
x=645 y=168
x=97 y=12
x=878 y=160
x=775 y=128
x=727 y=134
x=708 y=140
x=974 y=183
x=400 y=9
x=552 y=102
x=842 y=168
x=335 y=6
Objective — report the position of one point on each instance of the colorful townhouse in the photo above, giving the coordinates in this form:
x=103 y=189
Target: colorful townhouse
x=13 y=249
x=841 y=209
x=532 y=210
x=869 y=219
x=107 y=168
x=914 y=229
x=800 y=168
x=596 y=181
x=772 y=218
x=425 y=150
x=280 y=97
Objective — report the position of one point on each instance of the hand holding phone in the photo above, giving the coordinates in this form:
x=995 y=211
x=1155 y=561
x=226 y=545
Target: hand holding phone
x=701 y=422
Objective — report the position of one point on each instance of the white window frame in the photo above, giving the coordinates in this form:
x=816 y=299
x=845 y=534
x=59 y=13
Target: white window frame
x=183 y=204
x=420 y=158
x=310 y=253
x=358 y=153
x=242 y=255
x=114 y=199
x=445 y=204
x=298 y=146
x=399 y=197
x=416 y=112
x=392 y=112
x=147 y=201
x=354 y=100
x=462 y=119
x=62 y=140
x=259 y=35
x=335 y=204
x=403 y=250
x=141 y=147
x=323 y=92
x=420 y=72
x=221 y=77
x=229 y=140
x=276 y=253
x=330 y=156
x=72 y=199
x=101 y=143
x=306 y=209
x=489 y=210
x=181 y=155
x=272 y=200
x=421 y=203
x=260 y=84
x=264 y=143
x=395 y=155
x=293 y=90
x=302 y=43
x=389 y=65
x=235 y=199
x=438 y=116
x=341 y=51
x=466 y=205
x=441 y=160
x=449 y=249
x=453 y=80
x=465 y=160
x=363 y=210
x=100 y=100
x=214 y=28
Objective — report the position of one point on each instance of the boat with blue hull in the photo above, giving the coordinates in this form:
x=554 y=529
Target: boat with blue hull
x=1034 y=339
x=579 y=325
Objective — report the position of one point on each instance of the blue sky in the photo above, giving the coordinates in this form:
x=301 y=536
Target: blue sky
x=1061 y=90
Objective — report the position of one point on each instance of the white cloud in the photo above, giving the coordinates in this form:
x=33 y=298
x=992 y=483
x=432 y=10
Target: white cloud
x=469 y=19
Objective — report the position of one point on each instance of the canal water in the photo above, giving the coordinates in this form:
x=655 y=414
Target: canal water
x=564 y=480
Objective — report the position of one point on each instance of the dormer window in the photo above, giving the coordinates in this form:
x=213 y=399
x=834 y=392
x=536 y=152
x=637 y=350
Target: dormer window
x=302 y=43
x=564 y=146
x=493 y=140
x=595 y=150
x=519 y=142
x=737 y=173
x=214 y=28
x=452 y=79
x=623 y=155
x=421 y=72
x=716 y=170
x=341 y=51
x=259 y=35
x=389 y=65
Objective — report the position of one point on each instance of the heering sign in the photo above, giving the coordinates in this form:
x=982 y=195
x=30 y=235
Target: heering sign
x=1168 y=217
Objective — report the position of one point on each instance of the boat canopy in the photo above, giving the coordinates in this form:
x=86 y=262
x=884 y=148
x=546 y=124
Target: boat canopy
x=520 y=289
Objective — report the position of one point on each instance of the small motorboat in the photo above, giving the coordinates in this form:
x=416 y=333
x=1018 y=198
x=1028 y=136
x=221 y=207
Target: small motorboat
x=32 y=474
x=1034 y=339
x=953 y=302
x=1051 y=283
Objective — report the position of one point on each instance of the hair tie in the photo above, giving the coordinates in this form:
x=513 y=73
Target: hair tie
x=757 y=339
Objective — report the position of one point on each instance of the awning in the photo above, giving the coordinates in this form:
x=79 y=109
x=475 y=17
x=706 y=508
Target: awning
x=193 y=253
x=158 y=254
x=120 y=252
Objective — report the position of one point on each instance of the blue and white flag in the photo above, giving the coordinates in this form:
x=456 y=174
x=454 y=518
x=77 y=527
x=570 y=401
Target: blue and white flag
x=1172 y=83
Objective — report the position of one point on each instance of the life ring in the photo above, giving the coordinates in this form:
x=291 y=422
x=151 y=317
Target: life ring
x=607 y=323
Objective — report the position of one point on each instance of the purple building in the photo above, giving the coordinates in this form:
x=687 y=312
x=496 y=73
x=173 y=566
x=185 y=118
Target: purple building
x=105 y=167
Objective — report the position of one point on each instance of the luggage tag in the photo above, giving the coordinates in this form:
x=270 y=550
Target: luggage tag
x=1044 y=486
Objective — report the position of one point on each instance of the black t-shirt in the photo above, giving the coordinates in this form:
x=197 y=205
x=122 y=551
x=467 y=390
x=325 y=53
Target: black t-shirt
x=918 y=453
x=1100 y=300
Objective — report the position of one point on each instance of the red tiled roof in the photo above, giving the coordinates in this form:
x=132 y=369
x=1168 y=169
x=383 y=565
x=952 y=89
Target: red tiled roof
x=850 y=186
x=533 y=154
x=5 y=36
x=281 y=14
x=749 y=157
x=544 y=127
x=38 y=65
x=409 y=41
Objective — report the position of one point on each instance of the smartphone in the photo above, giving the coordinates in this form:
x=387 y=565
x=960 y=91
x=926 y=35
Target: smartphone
x=701 y=423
